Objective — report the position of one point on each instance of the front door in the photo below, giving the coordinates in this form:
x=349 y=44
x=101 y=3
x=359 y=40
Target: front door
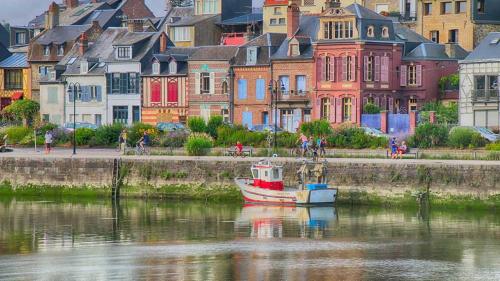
x=287 y=119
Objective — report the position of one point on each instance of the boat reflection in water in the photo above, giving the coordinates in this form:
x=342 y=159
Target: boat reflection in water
x=267 y=222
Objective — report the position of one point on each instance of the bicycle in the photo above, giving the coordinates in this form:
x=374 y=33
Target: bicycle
x=141 y=150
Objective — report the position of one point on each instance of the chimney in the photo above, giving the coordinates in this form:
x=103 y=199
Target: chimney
x=52 y=16
x=94 y=1
x=135 y=25
x=450 y=50
x=84 y=44
x=163 y=42
x=71 y=4
x=293 y=20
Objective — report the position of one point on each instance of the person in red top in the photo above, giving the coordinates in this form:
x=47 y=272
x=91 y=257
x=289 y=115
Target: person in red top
x=239 y=148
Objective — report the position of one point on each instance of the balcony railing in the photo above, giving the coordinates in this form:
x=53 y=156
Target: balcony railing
x=294 y=95
x=485 y=95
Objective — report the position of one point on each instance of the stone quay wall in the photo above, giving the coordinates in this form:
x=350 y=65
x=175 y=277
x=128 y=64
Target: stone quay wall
x=388 y=178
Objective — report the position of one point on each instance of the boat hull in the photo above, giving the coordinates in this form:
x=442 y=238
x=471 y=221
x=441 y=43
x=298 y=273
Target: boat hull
x=253 y=194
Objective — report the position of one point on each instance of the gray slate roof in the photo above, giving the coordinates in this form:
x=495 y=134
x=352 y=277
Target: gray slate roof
x=61 y=34
x=244 y=19
x=488 y=49
x=433 y=51
x=16 y=60
x=306 y=35
x=267 y=45
x=132 y=38
x=214 y=53
x=181 y=56
x=102 y=16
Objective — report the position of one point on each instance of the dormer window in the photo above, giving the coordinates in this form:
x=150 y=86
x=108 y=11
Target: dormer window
x=294 y=50
x=385 y=32
x=124 y=52
x=84 y=67
x=46 y=50
x=60 y=50
x=370 y=32
x=251 y=55
x=156 y=68
x=338 y=30
x=172 y=67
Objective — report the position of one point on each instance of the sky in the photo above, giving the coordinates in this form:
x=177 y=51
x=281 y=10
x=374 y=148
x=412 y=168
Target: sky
x=20 y=12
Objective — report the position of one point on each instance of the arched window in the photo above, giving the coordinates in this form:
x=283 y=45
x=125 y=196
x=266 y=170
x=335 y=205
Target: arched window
x=225 y=88
x=370 y=32
x=385 y=32
x=325 y=108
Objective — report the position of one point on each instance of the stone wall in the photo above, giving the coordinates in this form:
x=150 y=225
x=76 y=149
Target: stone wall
x=379 y=177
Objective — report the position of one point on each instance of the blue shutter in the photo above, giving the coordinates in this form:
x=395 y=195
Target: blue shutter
x=242 y=89
x=247 y=119
x=260 y=89
x=286 y=83
x=86 y=93
x=123 y=83
x=99 y=93
x=108 y=83
x=71 y=96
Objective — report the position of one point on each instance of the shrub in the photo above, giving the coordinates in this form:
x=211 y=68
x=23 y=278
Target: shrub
x=25 y=110
x=83 y=136
x=29 y=139
x=465 y=138
x=228 y=136
x=348 y=136
x=106 y=135
x=46 y=127
x=214 y=123
x=197 y=125
x=494 y=146
x=18 y=133
x=445 y=114
x=138 y=129
x=198 y=144
x=429 y=135
x=477 y=141
x=174 y=139
x=371 y=108
x=286 y=139
x=316 y=128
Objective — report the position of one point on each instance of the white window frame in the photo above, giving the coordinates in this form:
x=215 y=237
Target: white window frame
x=251 y=55
x=46 y=50
x=182 y=33
x=172 y=67
x=60 y=50
x=156 y=68
x=124 y=52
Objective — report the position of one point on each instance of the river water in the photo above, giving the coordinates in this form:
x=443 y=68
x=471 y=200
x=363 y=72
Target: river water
x=158 y=240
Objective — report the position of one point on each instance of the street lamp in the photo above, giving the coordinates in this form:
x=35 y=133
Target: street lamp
x=74 y=88
x=273 y=89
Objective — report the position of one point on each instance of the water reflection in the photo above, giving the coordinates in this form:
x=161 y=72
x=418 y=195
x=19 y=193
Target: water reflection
x=148 y=240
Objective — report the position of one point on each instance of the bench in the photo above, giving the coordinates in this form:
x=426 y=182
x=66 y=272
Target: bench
x=246 y=151
x=411 y=151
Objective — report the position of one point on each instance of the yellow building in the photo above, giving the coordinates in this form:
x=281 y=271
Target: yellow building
x=15 y=79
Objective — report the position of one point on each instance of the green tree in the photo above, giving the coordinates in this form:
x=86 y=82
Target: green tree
x=25 y=110
x=214 y=123
x=316 y=128
x=197 y=125
x=371 y=108
x=445 y=114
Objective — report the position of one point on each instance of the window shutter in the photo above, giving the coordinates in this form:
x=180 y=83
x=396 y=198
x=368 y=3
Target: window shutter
x=333 y=110
x=85 y=93
x=338 y=110
x=242 y=89
x=155 y=91
x=377 y=68
x=391 y=105
x=123 y=83
x=197 y=83
x=354 y=111
x=419 y=75
x=365 y=68
x=173 y=92
x=385 y=69
x=319 y=67
x=138 y=84
x=109 y=82
x=212 y=83
x=344 y=68
x=260 y=89
x=99 y=93
x=71 y=96
x=353 y=68
x=403 y=76
x=323 y=68
x=332 y=69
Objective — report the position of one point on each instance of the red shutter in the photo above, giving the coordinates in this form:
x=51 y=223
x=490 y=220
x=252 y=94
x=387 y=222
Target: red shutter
x=403 y=77
x=173 y=95
x=353 y=68
x=323 y=69
x=354 y=111
x=344 y=68
x=332 y=69
x=338 y=110
x=319 y=67
x=155 y=92
x=385 y=69
x=377 y=68
x=365 y=68
x=419 y=75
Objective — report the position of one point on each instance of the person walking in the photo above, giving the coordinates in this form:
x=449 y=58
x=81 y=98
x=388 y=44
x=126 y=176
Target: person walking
x=394 y=148
x=48 y=141
x=304 y=143
x=123 y=140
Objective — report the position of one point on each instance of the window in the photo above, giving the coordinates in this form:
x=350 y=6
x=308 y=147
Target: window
x=182 y=33
x=460 y=7
x=205 y=82
x=385 y=32
x=225 y=115
x=277 y=10
x=480 y=82
x=338 y=29
x=412 y=75
x=52 y=95
x=349 y=71
x=446 y=8
x=265 y=117
x=120 y=114
x=492 y=82
x=79 y=95
x=124 y=53
x=98 y=120
x=347 y=109
x=325 y=108
x=287 y=120
x=133 y=83
x=300 y=84
x=13 y=79
x=285 y=82
x=115 y=81
x=282 y=21
x=156 y=68
x=272 y=22
x=435 y=36
x=294 y=50
x=251 y=56
x=20 y=38
x=453 y=36
x=155 y=91
x=327 y=69
x=210 y=6
x=94 y=92
x=480 y=6
x=225 y=88
x=412 y=104
x=46 y=118
x=370 y=68
x=427 y=9
x=46 y=51
x=370 y=32
x=60 y=50
x=172 y=67
x=136 y=114
x=307 y=115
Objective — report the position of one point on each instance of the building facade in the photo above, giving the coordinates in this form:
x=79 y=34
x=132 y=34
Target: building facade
x=15 y=82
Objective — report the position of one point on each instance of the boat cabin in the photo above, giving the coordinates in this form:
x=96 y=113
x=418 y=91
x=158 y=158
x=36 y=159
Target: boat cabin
x=267 y=176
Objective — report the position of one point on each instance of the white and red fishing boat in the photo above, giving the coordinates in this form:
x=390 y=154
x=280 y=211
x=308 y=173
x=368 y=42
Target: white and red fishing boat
x=266 y=186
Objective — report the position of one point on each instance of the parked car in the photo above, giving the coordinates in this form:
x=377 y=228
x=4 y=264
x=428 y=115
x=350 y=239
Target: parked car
x=70 y=127
x=170 y=126
x=484 y=132
x=265 y=128
x=374 y=132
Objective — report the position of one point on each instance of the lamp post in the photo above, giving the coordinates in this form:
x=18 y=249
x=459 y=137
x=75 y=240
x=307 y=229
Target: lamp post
x=274 y=90
x=74 y=88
